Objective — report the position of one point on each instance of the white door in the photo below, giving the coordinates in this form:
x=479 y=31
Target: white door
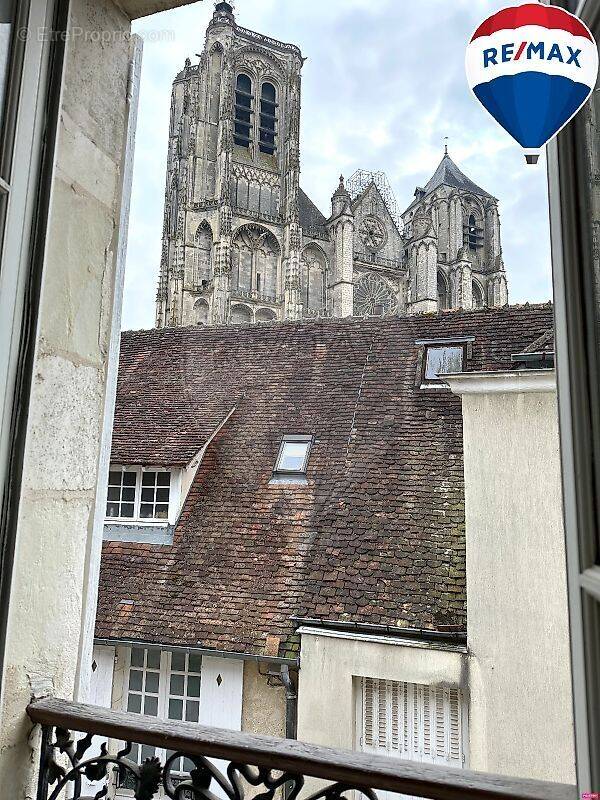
x=101 y=683
x=221 y=699
x=411 y=721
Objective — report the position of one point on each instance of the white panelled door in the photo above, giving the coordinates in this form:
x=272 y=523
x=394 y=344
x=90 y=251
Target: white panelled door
x=101 y=683
x=221 y=699
x=412 y=721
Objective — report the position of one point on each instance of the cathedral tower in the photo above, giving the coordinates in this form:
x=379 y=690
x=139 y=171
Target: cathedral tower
x=231 y=234
x=243 y=243
x=452 y=233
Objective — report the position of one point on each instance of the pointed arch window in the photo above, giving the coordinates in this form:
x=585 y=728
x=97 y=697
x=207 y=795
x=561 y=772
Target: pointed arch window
x=268 y=118
x=242 y=135
x=477 y=295
x=442 y=292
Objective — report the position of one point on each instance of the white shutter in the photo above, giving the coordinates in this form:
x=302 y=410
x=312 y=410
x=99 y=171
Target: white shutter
x=100 y=688
x=412 y=721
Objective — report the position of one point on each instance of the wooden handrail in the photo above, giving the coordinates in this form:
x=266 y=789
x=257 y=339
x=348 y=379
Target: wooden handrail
x=362 y=770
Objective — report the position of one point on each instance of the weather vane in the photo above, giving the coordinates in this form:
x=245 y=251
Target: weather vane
x=445 y=145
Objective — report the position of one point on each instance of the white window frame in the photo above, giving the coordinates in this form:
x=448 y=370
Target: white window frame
x=174 y=494
x=429 y=381
x=293 y=439
x=164 y=695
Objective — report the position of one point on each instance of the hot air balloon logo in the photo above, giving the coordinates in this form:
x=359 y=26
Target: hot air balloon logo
x=532 y=67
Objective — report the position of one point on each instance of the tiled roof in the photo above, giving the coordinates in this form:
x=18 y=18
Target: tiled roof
x=377 y=533
x=309 y=214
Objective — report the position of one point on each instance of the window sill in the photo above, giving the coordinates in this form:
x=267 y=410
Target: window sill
x=136 y=523
x=291 y=479
x=138 y=533
x=436 y=386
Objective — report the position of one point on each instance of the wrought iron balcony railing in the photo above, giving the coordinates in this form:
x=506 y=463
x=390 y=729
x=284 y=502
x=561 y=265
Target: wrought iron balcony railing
x=256 y=762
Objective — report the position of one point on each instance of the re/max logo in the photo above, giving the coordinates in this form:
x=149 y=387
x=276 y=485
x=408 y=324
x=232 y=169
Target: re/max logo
x=530 y=50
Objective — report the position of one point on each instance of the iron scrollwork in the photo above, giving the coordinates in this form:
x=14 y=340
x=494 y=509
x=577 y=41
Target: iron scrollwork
x=150 y=777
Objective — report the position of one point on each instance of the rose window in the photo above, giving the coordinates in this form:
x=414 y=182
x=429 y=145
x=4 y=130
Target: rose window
x=374 y=297
x=372 y=233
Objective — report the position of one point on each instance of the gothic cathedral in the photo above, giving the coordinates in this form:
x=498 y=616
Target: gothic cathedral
x=243 y=243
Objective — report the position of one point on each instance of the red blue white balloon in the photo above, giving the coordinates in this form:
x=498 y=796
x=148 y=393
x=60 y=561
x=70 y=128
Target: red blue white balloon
x=532 y=67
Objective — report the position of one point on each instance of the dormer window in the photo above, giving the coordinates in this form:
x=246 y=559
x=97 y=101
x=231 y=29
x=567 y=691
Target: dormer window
x=268 y=118
x=442 y=359
x=243 y=111
x=437 y=357
x=138 y=494
x=292 y=459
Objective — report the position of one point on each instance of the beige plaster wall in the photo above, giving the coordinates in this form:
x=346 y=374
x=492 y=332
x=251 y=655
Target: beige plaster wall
x=329 y=665
x=263 y=706
x=521 y=716
x=49 y=589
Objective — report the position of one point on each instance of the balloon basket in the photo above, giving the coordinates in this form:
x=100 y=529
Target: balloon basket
x=532 y=157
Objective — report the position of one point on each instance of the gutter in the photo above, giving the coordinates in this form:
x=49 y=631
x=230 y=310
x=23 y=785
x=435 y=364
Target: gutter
x=417 y=634
x=287 y=663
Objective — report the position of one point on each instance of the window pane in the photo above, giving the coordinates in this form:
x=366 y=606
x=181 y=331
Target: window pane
x=175 y=709
x=151 y=706
x=442 y=360
x=153 y=659
x=148 y=494
x=134 y=703
x=176 y=686
x=129 y=478
x=135 y=680
x=195 y=662
x=127 y=510
x=193 y=689
x=148 y=478
x=112 y=509
x=161 y=512
x=148 y=752
x=162 y=495
x=128 y=494
x=113 y=493
x=192 y=710
x=114 y=478
x=164 y=479
x=146 y=511
x=188 y=765
x=152 y=682
x=178 y=661
x=137 y=657
x=293 y=455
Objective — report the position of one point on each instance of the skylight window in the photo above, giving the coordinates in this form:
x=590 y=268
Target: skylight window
x=442 y=360
x=293 y=455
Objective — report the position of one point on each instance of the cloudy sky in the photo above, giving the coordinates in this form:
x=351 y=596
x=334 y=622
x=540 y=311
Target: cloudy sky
x=383 y=84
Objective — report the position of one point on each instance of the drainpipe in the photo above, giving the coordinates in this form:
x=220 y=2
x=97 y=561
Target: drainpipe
x=291 y=703
x=291 y=713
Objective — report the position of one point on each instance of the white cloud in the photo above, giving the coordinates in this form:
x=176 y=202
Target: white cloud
x=383 y=85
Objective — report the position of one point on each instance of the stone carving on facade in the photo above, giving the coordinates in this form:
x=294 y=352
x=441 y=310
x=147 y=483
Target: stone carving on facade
x=372 y=233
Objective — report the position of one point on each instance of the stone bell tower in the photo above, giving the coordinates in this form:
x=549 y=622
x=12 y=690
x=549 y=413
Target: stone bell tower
x=452 y=240
x=231 y=247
